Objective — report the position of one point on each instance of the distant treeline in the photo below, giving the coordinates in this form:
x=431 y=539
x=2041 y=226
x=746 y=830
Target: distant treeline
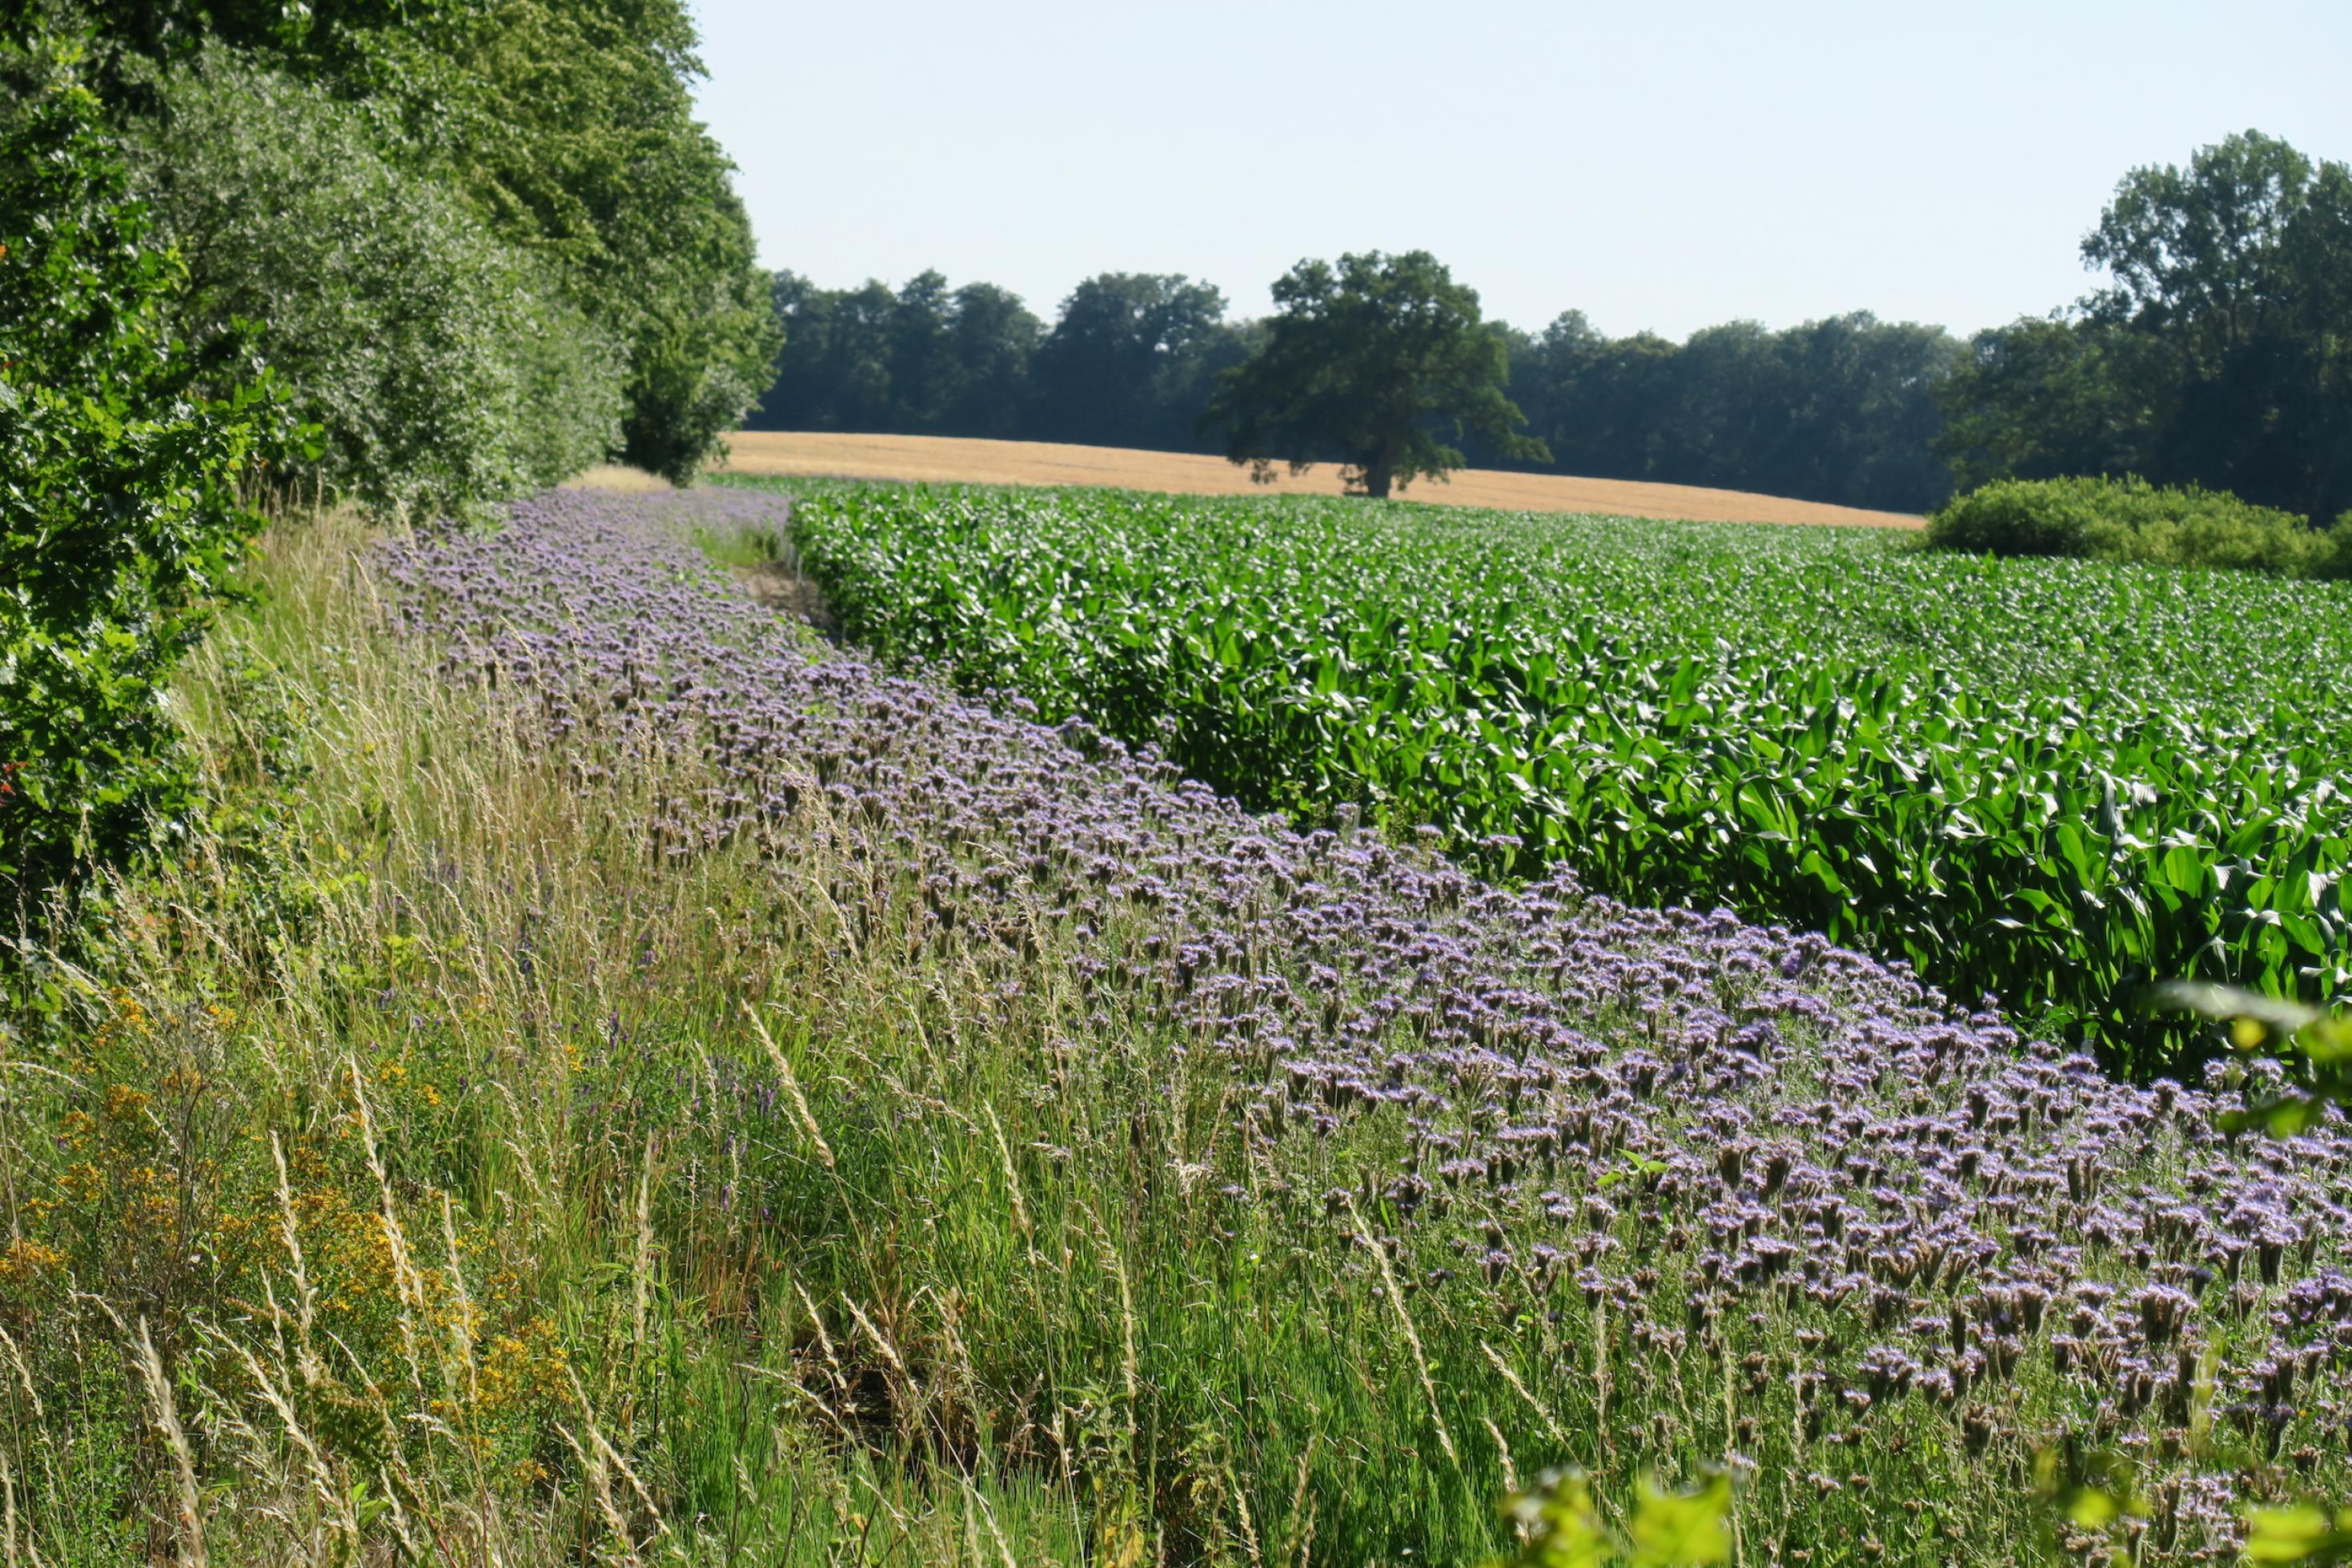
x=1129 y=362
x=2218 y=353
x=1842 y=410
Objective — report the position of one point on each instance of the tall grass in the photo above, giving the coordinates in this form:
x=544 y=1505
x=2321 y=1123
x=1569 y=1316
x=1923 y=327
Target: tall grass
x=433 y=1163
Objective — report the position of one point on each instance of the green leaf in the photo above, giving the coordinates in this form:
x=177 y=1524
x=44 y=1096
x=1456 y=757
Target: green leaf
x=2290 y=1534
x=1681 y=1530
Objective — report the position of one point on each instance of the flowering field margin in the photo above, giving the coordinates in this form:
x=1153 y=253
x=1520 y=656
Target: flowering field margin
x=865 y=1123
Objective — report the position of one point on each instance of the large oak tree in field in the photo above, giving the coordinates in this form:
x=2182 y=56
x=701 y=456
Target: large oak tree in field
x=1372 y=361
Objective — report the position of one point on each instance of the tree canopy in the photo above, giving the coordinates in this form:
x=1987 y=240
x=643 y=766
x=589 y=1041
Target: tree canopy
x=565 y=126
x=1128 y=361
x=1372 y=361
x=2215 y=353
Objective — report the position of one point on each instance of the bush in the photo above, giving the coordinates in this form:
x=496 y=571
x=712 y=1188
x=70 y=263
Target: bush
x=443 y=366
x=120 y=515
x=2098 y=519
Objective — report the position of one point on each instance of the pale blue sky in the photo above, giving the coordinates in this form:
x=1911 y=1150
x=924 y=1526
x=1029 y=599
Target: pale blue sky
x=1658 y=165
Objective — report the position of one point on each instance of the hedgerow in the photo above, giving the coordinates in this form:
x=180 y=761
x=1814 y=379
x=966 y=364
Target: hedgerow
x=443 y=366
x=121 y=508
x=2129 y=520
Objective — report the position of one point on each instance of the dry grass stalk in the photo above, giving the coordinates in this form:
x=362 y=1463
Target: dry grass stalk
x=330 y=1493
x=791 y=1087
x=190 y=1516
x=1522 y=1389
x=305 y=1300
x=600 y=1487
x=1411 y=1334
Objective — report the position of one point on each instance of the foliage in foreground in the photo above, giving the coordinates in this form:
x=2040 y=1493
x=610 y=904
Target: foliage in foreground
x=2129 y=520
x=440 y=365
x=443 y=366
x=121 y=513
x=552 y=144
x=2055 y=781
x=619 y=1079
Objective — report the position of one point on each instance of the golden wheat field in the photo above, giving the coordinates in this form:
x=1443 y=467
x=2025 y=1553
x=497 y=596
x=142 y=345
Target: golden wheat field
x=950 y=459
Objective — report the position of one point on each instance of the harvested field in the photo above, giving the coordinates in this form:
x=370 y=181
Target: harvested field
x=931 y=458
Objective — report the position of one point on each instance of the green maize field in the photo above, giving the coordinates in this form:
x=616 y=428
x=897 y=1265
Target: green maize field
x=2050 y=780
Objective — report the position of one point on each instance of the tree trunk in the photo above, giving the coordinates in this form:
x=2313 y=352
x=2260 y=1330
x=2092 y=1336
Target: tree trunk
x=1379 y=471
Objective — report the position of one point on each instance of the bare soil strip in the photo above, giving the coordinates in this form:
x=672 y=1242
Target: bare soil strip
x=943 y=459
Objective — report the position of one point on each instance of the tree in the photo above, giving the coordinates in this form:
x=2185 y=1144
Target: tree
x=2203 y=253
x=569 y=125
x=925 y=381
x=2049 y=397
x=1124 y=363
x=1599 y=404
x=441 y=365
x=1370 y=360
x=2214 y=355
x=921 y=359
x=1841 y=408
x=572 y=124
x=995 y=337
x=835 y=370
x=120 y=518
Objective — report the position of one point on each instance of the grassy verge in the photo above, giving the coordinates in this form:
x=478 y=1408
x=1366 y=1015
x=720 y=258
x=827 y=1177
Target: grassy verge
x=446 y=1158
x=398 y=1119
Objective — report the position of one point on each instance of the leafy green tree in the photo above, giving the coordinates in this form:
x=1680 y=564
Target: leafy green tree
x=119 y=512
x=1127 y=360
x=993 y=337
x=834 y=372
x=1600 y=403
x=362 y=47
x=1860 y=419
x=2228 y=263
x=572 y=122
x=921 y=359
x=2203 y=252
x=441 y=365
x=926 y=373
x=569 y=125
x=1371 y=360
x=2045 y=398
x=1841 y=408
x=2215 y=353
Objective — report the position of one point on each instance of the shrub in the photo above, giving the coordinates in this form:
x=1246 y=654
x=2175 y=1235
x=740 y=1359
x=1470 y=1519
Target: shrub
x=443 y=366
x=119 y=514
x=2100 y=519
